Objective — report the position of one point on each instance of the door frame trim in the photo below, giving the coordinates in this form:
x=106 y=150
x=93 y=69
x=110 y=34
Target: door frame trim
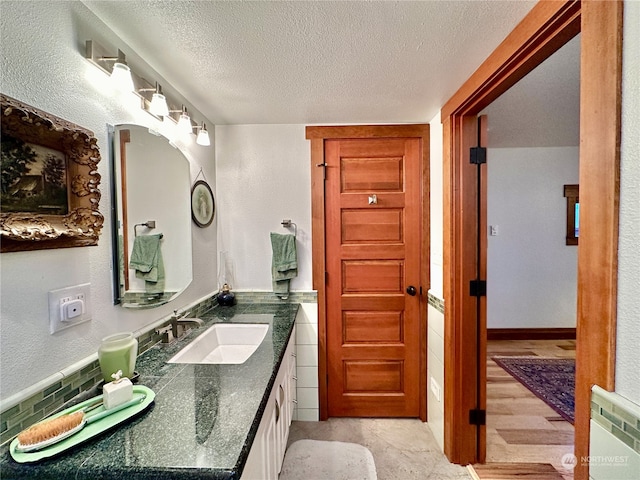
x=547 y=27
x=317 y=135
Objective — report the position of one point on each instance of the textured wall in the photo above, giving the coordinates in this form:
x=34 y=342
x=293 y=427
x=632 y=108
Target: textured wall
x=627 y=371
x=531 y=272
x=263 y=177
x=436 y=202
x=43 y=65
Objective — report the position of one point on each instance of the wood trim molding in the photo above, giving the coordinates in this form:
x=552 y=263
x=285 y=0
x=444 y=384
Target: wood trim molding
x=318 y=266
x=125 y=137
x=425 y=260
x=367 y=131
x=547 y=27
x=600 y=126
x=531 y=334
x=318 y=135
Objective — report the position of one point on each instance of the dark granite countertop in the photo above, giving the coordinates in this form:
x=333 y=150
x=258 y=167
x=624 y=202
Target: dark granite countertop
x=202 y=423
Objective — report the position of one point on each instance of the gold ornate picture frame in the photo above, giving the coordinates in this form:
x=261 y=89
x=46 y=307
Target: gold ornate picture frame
x=50 y=181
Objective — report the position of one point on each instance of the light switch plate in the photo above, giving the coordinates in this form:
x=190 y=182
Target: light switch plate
x=69 y=306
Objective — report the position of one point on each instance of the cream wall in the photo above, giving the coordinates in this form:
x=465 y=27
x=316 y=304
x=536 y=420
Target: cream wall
x=263 y=177
x=43 y=65
x=628 y=322
x=531 y=272
x=435 y=319
x=437 y=206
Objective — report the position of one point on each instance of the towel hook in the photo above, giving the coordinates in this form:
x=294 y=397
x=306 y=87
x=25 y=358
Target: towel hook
x=288 y=223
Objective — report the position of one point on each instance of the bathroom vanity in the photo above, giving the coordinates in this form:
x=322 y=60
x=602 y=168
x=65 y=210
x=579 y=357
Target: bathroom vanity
x=209 y=421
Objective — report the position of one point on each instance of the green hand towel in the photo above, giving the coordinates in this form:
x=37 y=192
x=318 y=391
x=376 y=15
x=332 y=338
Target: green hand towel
x=284 y=265
x=146 y=260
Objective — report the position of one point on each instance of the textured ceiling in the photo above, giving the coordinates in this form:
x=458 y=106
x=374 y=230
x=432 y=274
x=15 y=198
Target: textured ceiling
x=542 y=109
x=313 y=62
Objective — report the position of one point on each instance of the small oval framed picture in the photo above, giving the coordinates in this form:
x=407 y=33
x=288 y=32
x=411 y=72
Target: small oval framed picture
x=203 y=206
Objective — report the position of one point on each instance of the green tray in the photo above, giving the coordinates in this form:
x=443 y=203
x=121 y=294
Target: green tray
x=89 y=431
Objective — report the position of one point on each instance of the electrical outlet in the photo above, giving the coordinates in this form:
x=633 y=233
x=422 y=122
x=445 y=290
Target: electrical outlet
x=69 y=306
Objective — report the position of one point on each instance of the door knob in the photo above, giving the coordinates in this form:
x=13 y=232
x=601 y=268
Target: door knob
x=411 y=290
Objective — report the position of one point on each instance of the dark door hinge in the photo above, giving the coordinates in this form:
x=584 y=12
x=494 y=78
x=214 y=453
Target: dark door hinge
x=478 y=288
x=477 y=417
x=478 y=155
x=324 y=169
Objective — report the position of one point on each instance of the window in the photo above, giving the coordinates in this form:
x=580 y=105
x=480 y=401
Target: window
x=573 y=214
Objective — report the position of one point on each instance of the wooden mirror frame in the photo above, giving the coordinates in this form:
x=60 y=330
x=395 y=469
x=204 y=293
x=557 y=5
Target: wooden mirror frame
x=81 y=226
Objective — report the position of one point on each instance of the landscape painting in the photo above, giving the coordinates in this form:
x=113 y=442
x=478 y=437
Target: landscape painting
x=33 y=178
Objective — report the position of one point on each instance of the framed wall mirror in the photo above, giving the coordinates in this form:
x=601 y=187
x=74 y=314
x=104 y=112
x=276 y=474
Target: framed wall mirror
x=151 y=212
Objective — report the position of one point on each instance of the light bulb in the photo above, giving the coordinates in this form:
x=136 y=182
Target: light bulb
x=184 y=124
x=121 y=77
x=203 y=137
x=158 y=106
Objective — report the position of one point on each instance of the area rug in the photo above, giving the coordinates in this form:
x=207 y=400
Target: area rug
x=322 y=460
x=550 y=379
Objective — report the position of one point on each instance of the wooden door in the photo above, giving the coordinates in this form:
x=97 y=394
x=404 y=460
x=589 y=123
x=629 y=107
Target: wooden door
x=373 y=225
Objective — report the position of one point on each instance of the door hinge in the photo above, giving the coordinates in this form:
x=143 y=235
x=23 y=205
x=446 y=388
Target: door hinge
x=478 y=288
x=324 y=169
x=478 y=155
x=477 y=417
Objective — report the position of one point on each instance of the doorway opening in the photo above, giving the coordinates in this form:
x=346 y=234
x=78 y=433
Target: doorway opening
x=542 y=32
x=531 y=269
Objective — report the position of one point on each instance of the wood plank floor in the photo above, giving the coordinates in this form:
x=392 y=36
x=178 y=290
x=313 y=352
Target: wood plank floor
x=525 y=437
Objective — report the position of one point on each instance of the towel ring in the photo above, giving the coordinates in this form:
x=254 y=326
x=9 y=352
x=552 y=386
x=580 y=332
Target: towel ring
x=149 y=224
x=288 y=224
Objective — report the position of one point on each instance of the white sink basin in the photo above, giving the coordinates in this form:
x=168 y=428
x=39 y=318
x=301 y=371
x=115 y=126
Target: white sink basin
x=223 y=343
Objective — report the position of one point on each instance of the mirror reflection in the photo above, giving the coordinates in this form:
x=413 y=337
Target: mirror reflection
x=152 y=218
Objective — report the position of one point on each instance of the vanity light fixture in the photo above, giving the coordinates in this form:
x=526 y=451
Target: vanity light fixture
x=184 y=122
x=203 y=135
x=156 y=104
x=121 y=74
x=116 y=67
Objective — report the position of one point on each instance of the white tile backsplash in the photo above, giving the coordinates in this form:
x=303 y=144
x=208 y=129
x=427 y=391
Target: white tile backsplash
x=307 y=355
x=307 y=363
x=436 y=321
x=307 y=334
x=308 y=397
x=609 y=458
x=307 y=377
x=308 y=414
x=435 y=363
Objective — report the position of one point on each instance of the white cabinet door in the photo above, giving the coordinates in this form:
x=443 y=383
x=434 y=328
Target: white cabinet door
x=267 y=451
